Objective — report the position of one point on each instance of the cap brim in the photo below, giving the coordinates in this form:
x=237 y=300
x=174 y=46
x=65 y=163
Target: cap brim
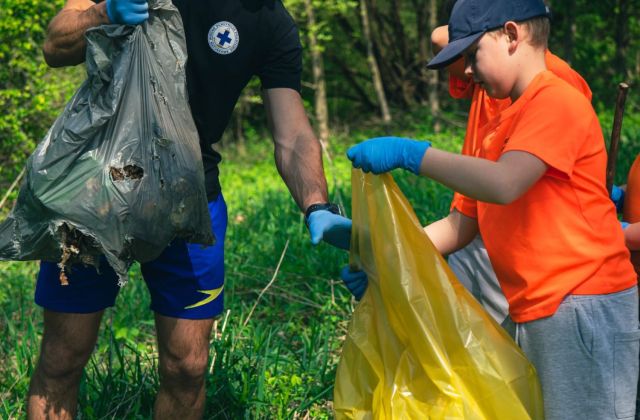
x=452 y=51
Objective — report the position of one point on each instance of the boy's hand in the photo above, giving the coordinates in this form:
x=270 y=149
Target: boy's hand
x=127 y=12
x=332 y=228
x=617 y=196
x=383 y=154
x=356 y=281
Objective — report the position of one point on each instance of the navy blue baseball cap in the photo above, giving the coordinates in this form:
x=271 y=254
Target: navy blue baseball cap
x=470 y=19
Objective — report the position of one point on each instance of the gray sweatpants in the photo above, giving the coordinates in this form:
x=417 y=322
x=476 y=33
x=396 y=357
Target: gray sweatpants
x=586 y=356
x=472 y=267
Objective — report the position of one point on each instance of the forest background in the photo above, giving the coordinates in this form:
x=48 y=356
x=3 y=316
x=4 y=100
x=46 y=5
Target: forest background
x=275 y=350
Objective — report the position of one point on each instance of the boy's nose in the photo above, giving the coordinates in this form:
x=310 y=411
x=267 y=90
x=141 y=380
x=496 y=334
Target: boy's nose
x=468 y=68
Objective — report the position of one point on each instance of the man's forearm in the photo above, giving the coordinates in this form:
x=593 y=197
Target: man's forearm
x=65 y=44
x=301 y=169
x=297 y=150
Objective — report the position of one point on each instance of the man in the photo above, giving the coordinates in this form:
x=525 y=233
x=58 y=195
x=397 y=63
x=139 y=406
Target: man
x=228 y=42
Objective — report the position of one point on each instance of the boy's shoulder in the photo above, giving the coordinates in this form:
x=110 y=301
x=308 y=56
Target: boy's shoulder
x=555 y=94
x=548 y=107
x=562 y=69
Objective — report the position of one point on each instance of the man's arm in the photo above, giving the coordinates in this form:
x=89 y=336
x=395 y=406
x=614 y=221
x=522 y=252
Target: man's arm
x=298 y=152
x=453 y=232
x=298 y=156
x=65 y=44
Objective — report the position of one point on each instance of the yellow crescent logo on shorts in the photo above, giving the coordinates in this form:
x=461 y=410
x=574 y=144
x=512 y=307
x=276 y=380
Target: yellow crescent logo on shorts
x=213 y=293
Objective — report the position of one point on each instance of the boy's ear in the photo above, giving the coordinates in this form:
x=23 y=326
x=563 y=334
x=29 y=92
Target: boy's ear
x=513 y=32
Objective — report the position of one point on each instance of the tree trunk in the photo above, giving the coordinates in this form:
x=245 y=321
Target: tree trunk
x=637 y=70
x=238 y=129
x=422 y=26
x=373 y=64
x=569 y=30
x=622 y=39
x=351 y=77
x=434 y=101
x=403 y=67
x=398 y=31
x=321 y=108
x=397 y=81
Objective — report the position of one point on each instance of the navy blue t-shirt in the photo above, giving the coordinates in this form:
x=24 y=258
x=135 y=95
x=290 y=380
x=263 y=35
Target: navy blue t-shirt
x=228 y=42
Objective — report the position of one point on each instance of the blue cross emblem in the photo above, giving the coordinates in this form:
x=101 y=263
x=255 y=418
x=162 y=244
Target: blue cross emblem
x=224 y=38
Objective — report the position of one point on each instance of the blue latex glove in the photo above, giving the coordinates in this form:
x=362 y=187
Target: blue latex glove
x=617 y=196
x=383 y=154
x=356 y=281
x=624 y=225
x=332 y=228
x=127 y=12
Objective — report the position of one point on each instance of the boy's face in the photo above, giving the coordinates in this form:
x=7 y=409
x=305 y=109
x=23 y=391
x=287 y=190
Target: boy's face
x=488 y=62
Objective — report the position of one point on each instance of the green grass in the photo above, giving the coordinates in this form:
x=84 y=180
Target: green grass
x=282 y=363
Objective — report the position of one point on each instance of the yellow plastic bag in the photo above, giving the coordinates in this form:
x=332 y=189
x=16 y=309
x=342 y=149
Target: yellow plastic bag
x=419 y=346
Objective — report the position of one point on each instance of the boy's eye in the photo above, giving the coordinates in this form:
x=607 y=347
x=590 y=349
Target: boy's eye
x=470 y=57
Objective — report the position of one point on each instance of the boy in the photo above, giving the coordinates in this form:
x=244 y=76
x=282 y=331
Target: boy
x=542 y=208
x=631 y=213
x=471 y=264
x=627 y=199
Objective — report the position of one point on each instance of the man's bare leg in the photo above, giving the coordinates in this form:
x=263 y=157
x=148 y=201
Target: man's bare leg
x=67 y=343
x=183 y=347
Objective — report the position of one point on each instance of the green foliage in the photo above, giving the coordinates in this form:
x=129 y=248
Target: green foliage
x=594 y=47
x=325 y=11
x=31 y=95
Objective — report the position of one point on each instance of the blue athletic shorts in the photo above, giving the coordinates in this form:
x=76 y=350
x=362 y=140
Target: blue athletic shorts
x=185 y=281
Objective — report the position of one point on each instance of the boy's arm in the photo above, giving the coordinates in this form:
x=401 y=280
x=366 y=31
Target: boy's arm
x=65 y=43
x=453 y=232
x=439 y=40
x=632 y=236
x=500 y=182
x=448 y=235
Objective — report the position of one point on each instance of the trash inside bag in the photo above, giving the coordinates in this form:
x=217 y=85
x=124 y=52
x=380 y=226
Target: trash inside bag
x=419 y=346
x=120 y=171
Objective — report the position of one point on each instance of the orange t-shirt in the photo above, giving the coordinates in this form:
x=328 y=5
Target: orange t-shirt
x=562 y=236
x=484 y=108
x=631 y=211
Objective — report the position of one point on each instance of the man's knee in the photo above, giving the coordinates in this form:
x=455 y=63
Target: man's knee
x=67 y=344
x=186 y=371
x=63 y=361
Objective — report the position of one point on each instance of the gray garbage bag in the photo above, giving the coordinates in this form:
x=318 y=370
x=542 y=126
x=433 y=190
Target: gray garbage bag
x=120 y=171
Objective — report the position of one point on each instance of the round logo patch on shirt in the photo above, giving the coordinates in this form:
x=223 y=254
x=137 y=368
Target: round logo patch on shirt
x=223 y=38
